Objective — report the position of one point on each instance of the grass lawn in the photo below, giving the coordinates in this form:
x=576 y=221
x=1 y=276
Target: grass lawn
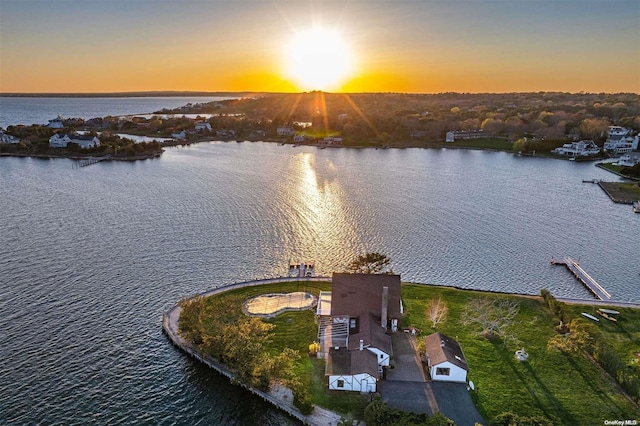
x=296 y=330
x=623 y=191
x=568 y=389
x=489 y=143
x=610 y=166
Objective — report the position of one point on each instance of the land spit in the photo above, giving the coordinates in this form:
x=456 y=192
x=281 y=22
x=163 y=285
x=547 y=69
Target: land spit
x=280 y=396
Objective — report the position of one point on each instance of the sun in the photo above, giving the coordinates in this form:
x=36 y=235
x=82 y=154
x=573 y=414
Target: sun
x=318 y=59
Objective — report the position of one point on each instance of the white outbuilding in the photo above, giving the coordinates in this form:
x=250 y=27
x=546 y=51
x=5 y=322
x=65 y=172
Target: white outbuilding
x=445 y=359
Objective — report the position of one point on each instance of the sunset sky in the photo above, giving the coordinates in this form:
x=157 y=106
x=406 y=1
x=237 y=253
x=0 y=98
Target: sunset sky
x=291 y=46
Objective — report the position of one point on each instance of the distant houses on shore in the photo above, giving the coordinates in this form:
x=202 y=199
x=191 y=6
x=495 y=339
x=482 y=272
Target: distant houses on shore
x=62 y=140
x=619 y=141
x=9 y=139
x=455 y=135
x=578 y=149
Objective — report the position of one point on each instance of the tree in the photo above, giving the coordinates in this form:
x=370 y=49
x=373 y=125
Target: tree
x=436 y=311
x=189 y=324
x=593 y=128
x=579 y=338
x=492 y=126
x=494 y=315
x=370 y=263
x=520 y=145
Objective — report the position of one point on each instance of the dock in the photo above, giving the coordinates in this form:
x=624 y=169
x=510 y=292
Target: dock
x=93 y=160
x=586 y=279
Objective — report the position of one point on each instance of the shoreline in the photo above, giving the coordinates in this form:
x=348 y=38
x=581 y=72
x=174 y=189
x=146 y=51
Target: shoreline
x=278 y=396
x=287 y=142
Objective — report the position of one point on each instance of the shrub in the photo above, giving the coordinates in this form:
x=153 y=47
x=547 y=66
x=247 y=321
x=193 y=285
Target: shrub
x=511 y=419
x=302 y=399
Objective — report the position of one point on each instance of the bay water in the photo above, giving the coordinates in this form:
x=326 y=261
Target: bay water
x=92 y=257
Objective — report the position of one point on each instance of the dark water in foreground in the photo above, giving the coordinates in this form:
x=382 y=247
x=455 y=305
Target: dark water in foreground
x=91 y=257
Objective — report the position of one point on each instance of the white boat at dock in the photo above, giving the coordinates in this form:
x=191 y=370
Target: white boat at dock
x=636 y=206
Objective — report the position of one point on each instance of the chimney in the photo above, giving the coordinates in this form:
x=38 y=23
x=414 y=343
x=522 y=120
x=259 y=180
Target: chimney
x=385 y=303
x=361 y=344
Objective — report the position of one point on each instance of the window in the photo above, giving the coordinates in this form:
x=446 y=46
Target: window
x=442 y=371
x=340 y=383
x=381 y=356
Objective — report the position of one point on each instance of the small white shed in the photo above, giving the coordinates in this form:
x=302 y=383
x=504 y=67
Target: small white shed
x=445 y=359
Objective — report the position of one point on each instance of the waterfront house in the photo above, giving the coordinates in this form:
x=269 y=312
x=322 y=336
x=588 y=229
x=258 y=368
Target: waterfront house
x=454 y=135
x=56 y=123
x=353 y=320
x=203 y=126
x=181 y=135
x=578 y=149
x=284 y=130
x=61 y=140
x=332 y=140
x=445 y=359
x=629 y=159
x=9 y=139
x=619 y=141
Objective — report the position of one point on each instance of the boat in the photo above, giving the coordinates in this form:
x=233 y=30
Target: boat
x=609 y=311
x=591 y=317
x=636 y=206
x=604 y=315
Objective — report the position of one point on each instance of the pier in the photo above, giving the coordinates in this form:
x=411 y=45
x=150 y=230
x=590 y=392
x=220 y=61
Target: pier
x=92 y=160
x=586 y=279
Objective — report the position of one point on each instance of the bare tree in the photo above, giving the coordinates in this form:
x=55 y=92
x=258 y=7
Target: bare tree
x=494 y=315
x=436 y=311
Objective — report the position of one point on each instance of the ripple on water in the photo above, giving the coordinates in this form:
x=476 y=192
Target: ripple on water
x=93 y=256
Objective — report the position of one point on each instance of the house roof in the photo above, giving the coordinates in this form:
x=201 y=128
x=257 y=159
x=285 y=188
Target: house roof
x=358 y=294
x=441 y=348
x=74 y=136
x=343 y=362
x=371 y=333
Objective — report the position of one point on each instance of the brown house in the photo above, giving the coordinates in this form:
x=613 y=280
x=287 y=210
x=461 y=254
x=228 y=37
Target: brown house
x=353 y=322
x=358 y=294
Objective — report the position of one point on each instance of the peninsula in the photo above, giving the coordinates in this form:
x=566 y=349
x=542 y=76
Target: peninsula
x=503 y=388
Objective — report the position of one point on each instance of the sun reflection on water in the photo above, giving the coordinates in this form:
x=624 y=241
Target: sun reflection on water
x=325 y=225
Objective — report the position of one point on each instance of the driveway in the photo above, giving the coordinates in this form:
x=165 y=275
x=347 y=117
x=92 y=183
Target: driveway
x=407 y=389
x=455 y=402
x=407 y=364
x=405 y=396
